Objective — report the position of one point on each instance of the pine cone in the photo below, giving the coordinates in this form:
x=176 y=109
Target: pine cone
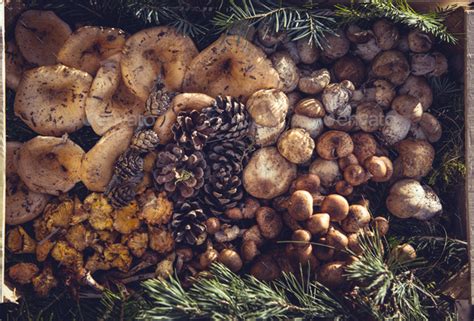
x=188 y=224
x=229 y=119
x=145 y=141
x=159 y=99
x=129 y=167
x=179 y=172
x=192 y=129
x=121 y=195
x=223 y=187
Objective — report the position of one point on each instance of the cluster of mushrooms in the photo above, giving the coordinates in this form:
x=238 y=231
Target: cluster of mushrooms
x=323 y=120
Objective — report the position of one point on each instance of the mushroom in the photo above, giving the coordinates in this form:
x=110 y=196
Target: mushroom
x=432 y=65
x=386 y=34
x=268 y=174
x=301 y=238
x=382 y=225
x=291 y=49
x=358 y=35
x=403 y=253
x=231 y=66
x=419 y=42
x=441 y=65
x=369 y=116
x=286 y=69
x=408 y=107
x=358 y=218
x=249 y=250
x=406 y=198
x=336 y=238
x=307 y=182
x=354 y=244
x=269 y=222
x=14 y=65
x=265 y=268
x=335 y=45
x=88 y=46
x=23 y=273
x=300 y=205
x=416 y=157
x=268 y=37
x=332 y=274
x=419 y=88
x=296 y=145
x=50 y=165
x=110 y=102
x=395 y=128
x=266 y=136
x=314 y=82
x=154 y=51
x=334 y=144
x=327 y=171
x=431 y=205
x=336 y=206
x=343 y=188
x=345 y=122
x=403 y=44
x=336 y=96
x=430 y=127
x=365 y=146
x=51 y=99
x=355 y=175
x=384 y=93
x=350 y=159
x=367 y=51
x=98 y=163
x=307 y=51
x=40 y=35
x=380 y=168
x=21 y=204
x=392 y=66
x=231 y=259
x=308 y=115
x=350 y=68
x=318 y=224
x=268 y=107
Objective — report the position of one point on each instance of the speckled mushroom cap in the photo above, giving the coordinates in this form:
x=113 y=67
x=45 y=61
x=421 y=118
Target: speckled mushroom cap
x=231 y=66
x=153 y=51
x=51 y=99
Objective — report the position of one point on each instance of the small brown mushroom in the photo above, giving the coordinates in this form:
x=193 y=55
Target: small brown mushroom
x=419 y=88
x=301 y=238
x=249 y=250
x=336 y=206
x=431 y=127
x=327 y=171
x=213 y=225
x=296 y=145
x=380 y=168
x=253 y=234
x=314 y=82
x=286 y=69
x=268 y=37
x=406 y=198
x=318 y=224
x=369 y=117
x=358 y=218
x=441 y=65
x=335 y=45
x=365 y=146
x=382 y=225
x=307 y=182
x=265 y=268
x=419 y=42
x=354 y=244
x=358 y=35
x=355 y=175
x=403 y=253
x=408 y=106
x=231 y=259
x=367 y=51
x=350 y=68
x=307 y=51
x=300 y=205
x=269 y=222
x=392 y=66
x=23 y=273
x=343 y=188
x=15 y=65
x=332 y=274
x=308 y=115
x=323 y=250
x=416 y=157
x=386 y=34
x=350 y=159
x=334 y=144
x=268 y=107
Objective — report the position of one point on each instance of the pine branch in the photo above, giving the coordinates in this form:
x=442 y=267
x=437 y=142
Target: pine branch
x=399 y=11
x=298 y=21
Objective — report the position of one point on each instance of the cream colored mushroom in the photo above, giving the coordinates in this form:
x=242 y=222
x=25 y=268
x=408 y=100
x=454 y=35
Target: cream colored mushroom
x=287 y=70
x=369 y=117
x=266 y=136
x=154 y=51
x=327 y=170
x=416 y=157
x=314 y=82
x=268 y=107
x=50 y=165
x=409 y=107
x=51 y=99
x=396 y=128
x=308 y=115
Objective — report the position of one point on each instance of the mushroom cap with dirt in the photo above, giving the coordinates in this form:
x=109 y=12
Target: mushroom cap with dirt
x=408 y=106
x=88 y=46
x=40 y=35
x=50 y=165
x=110 y=102
x=369 y=116
x=98 y=163
x=416 y=157
x=268 y=174
x=419 y=88
x=350 y=68
x=268 y=107
x=430 y=127
x=395 y=128
x=287 y=70
x=296 y=145
x=314 y=82
x=386 y=34
x=266 y=136
x=336 y=96
x=392 y=66
x=335 y=45
x=154 y=51
x=327 y=170
x=336 y=206
x=21 y=204
x=431 y=206
x=307 y=51
x=334 y=144
x=15 y=65
x=51 y=99
x=419 y=41
x=231 y=66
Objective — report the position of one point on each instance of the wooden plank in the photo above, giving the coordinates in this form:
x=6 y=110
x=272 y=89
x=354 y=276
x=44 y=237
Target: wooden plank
x=2 y=149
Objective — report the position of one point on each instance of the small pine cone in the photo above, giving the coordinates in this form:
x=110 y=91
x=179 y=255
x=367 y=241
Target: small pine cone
x=192 y=129
x=179 y=173
x=129 y=167
x=145 y=140
x=159 y=99
x=121 y=195
x=188 y=224
x=229 y=119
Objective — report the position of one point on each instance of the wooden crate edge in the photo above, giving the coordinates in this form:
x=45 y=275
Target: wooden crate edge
x=2 y=149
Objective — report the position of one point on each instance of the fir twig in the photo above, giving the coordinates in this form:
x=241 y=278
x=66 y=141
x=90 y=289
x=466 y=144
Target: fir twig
x=398 y=11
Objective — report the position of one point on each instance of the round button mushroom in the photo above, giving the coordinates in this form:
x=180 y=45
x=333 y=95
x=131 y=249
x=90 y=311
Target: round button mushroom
x=416 y=157
x=380 y=168
x=300 y=205
x=335 y=45
x=419 y=42
x=268 y=107
x=307 y=51
x=365 y=146
x=358 y=218
x=408 y=106
x=307 y=182
x=269 y=222
x=336 y=97
x=386 y=34
x=336 y=206
x=395 y=129
x=392 y=66
x=355 y=175
x=318 y=224
x=350 y=68
x=266 y=136
x=431 y=127
x=334 y=144
x=314 y=82
x=431 y=205
x=327 y=171
x=367 y=51
x=268 y=174
x=286 y=69
x=419 y=88
x=308 y=113
x=406 y=198
x=441 y=65
x=369 y=116
x=357 y=35
x=296 y=145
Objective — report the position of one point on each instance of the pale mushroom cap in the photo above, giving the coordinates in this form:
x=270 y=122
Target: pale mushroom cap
x=110 y=102
x=431 y=127
x=327 y=170
x=431 y=206
x=287 y=70
x=396 y=127
x=51 y=99
x=268 y=107
x=231 y=66
x=40 y=35
x=296 y=145
x=406 y=198
x=98 y=163
x=419 y=88
x=88 y=46
x=266 y=136
x=153 y=51
x=369 y=116
x=314 y=126
x=50 y=164
x=268 y=174
x=391 y=65
x=416 y=157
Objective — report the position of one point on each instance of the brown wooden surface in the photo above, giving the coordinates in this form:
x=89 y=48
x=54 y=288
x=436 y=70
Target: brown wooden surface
x=2 y=150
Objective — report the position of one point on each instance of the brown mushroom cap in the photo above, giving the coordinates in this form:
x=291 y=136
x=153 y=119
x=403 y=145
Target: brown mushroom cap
x=154 y=51
x=110 y=102
x=343 y=188
x=50 y=165
x=382 y=225
x=391 y=65
x=296 y=145
x=335 y=45
x=365 y=146
x=386 y=34
x=379 y=167
x=307 y=51
x=318 y=224
x=51 y=99
x=355 y=175
x=431 y=127
x=88 y=46
x=98 y=163
x=314 y=82
x=419 y=41
x=358 y=218
x=268 y=174
x=268 y=107
x=408 y=106
x=332 y=274
x=266 y=136
x=336 y=206
x=327 y=171
x=358 y=35
x=416 y=157
x=300 y=205
x=307 y=182
x=384 y=92
x=231 y=259
x=350 y=159
x=287 y=70
x=419 y=88
x=406 y=198
x=269 y=222
x=14 y=65
x=369 y=116
x=350 y=68
x=310 y=107
x=231 y=66
x=40 y=35
x=334 y=144
x=337 y=238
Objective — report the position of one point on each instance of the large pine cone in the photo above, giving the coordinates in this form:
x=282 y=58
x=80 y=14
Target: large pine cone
x=192 y=129
x=188 y=224
x=229 y=119
x=145 y=140
x=121 y=195
x=179 y=172
x=159 y=99
x=223 y=187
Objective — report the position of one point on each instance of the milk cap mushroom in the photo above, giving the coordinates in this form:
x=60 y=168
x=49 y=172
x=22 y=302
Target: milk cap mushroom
x=307 y=182
x=296 y=145
x=392 y=66
x=334 y=144
x=336 y=97
x=50 y=165
x=268 y=174
x=231 y=66
x=406 y=198
x=318 y=224
x=300 y=205
x=88 y=46
x=336 y=206
x=98 y=162
x=40 y=35
x=431 y=206
x=343 y=188
x=441 y=65
x=355 y=175
x=416 y=157
x=51 y=99
x=358 y=218
x=331 y=274
x=408 y=106
x=419 y=88
x=286 y=69
x=327 y=170
x=268 y=107
x=154 y=51
x=395 y=128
